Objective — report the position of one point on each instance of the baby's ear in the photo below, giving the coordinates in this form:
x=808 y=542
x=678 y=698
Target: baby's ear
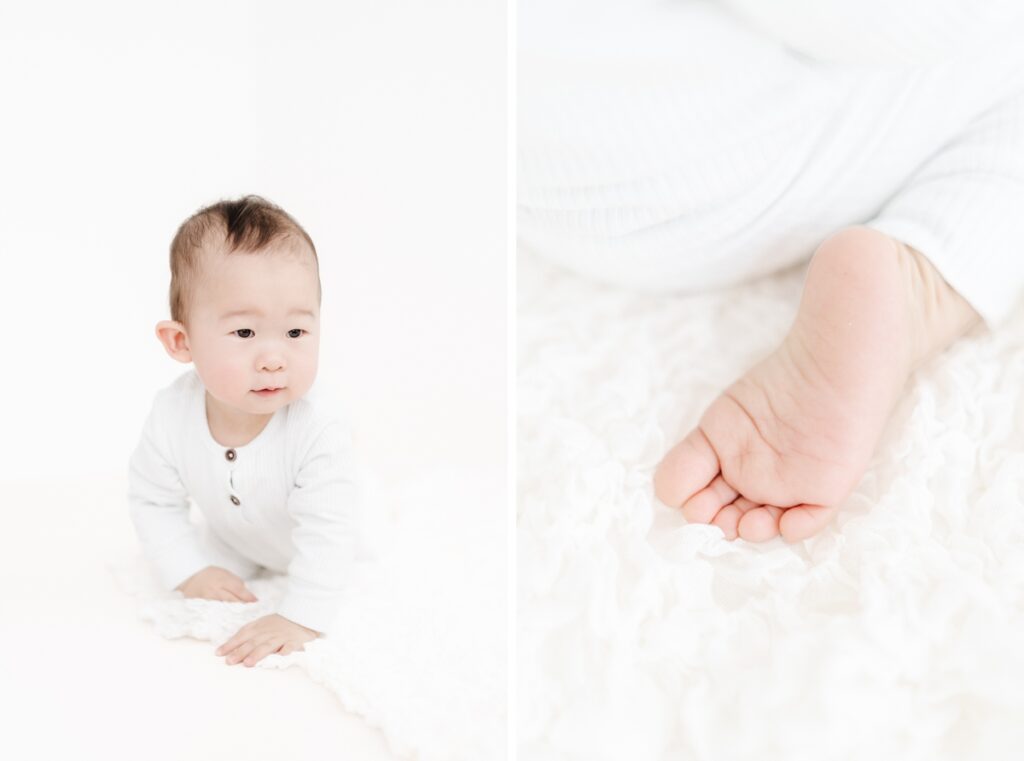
x=172 y=335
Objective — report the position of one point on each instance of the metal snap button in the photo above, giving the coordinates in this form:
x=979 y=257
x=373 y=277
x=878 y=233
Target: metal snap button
x=231 y=455
x=235 y=500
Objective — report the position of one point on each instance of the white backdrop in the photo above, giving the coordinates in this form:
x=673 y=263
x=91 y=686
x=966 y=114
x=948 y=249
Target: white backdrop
x=379 y=125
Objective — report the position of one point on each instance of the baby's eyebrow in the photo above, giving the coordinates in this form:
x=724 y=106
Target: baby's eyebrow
x=258 y=313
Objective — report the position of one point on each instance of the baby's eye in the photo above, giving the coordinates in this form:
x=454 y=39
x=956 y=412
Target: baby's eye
x=243 y=330
x=300 y=331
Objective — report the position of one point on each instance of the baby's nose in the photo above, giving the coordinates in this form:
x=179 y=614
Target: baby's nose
x=271 y=363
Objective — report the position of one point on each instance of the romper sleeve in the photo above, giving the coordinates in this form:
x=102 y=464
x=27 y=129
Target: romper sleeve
x=159 y=509
x=325 y=505
x=963 y=210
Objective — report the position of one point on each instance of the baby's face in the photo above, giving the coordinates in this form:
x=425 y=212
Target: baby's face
x=274 y=344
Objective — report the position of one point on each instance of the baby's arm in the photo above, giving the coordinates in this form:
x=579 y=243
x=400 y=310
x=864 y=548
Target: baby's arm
x=325 y=505
x=158 y=506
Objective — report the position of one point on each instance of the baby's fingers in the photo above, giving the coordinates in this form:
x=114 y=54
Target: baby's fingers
x=261 y=651
x=240 y=591
x=239 y=651
x=227 y=594
x=237 y=639
x=217 y=593
x=247 y=647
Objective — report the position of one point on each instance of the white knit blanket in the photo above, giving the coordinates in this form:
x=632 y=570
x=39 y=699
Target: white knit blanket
x=895 y=633
x=421 y=649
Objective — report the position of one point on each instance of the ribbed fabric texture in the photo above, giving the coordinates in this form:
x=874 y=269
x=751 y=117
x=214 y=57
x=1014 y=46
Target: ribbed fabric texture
x=295 y=483
x=879 y=32
x=685 y=146
x=965 y=208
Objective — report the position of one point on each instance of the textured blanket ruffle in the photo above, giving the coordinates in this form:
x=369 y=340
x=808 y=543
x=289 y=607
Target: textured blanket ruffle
x=893 y=634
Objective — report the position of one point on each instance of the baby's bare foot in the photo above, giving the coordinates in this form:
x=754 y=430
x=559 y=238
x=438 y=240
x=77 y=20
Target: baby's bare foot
x=780 y=448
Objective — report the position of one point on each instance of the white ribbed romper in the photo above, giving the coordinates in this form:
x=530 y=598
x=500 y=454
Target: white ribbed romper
x=691 y=144
x=288 y=501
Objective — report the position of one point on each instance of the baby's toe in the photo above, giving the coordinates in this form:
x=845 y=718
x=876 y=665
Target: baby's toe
x=703 y=506
x=687 y=468
x=728 y=517
x=804 y=521
x=760 y=523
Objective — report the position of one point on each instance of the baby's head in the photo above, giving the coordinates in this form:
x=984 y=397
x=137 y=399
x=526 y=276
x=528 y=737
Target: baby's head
x=245 y=304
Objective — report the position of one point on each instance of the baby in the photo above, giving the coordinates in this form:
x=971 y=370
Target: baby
x=270 y=472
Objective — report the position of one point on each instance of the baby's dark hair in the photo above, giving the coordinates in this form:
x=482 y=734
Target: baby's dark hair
x=247 y=225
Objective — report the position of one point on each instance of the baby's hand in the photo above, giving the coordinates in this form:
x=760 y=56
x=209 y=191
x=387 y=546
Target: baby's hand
x=215 y=583
x=259 y=638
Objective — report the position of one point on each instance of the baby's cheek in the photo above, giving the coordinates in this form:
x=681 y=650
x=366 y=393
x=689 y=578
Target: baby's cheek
x=224 y=373
x=306 y=366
